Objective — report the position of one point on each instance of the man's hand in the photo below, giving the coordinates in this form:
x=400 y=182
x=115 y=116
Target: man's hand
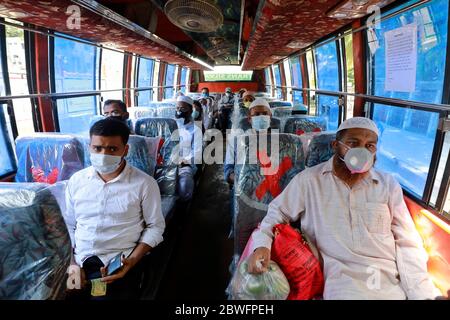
x=258 y=262
x=128 y=263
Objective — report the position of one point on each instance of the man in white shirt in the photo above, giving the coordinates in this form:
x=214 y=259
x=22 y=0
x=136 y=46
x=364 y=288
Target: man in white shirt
x=357 y=218
x=190 y=147
x=112 y=208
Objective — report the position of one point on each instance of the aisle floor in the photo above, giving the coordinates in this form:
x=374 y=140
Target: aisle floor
x=198 y=269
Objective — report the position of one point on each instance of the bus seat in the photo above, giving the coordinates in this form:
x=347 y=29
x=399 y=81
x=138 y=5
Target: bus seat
x=141 y=112
x=35 y=247
x=245 y=125
x=253 y=189
x=319 y=148
x=281 y=112
x=299 y=124
x=48 y=157
x=276 y=104
x=153 y=127
x=158 y=104
x=166 y=112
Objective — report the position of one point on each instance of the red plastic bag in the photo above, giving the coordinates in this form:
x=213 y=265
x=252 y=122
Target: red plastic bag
x=295 y=258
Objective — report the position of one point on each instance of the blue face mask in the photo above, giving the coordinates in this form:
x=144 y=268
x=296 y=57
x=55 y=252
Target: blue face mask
x=195 y=114
x=204 y=95
x=261 y=122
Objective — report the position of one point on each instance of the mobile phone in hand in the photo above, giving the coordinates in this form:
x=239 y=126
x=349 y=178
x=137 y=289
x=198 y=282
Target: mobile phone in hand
x=115 y=264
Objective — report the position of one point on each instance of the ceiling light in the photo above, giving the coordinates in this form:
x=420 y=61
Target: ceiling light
x=352 y=9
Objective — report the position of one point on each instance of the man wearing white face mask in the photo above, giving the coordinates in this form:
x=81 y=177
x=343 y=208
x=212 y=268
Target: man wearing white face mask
x=114 y=208
x=356 y=217
x=259 y=117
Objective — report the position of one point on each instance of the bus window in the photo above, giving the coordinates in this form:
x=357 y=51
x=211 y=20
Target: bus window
x=77 y=113
x=431 y=20
x=440 y=174
x=7 y=164
x=15 y=52
x=350 y=74
x=268 y=80
x=406 y=144
x=75 y=66
x=277 y=77
x=328 y=79
x=311 y=82
x=296 y=79
x=145 y=80
x=169 y=81
x=288 y=79
x=183 y=80
x=112 y=74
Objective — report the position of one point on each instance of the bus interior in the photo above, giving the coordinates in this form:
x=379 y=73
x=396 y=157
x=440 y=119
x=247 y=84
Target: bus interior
x=316 y=63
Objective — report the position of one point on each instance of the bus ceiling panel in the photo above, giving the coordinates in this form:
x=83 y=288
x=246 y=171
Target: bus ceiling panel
x=89 y=20
x=214 y=25
x=284 y=27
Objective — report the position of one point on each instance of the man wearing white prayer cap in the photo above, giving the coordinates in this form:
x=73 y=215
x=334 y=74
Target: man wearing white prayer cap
x=190 y=148
x=356 y=217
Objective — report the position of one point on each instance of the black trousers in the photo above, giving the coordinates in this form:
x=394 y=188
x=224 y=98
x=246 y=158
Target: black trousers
x=225 y=119
x=126 y=288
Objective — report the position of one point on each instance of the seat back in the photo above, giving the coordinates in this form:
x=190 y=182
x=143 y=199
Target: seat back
x=300 y=124
x=255 y=185
x=282 y=112
x=166 y=112
x=276 y=104
x=141 y=112
x=158 y=104
x=166 y=170
x=35 y=247
x=319 y=148
x=48 y=157
x=154 y=127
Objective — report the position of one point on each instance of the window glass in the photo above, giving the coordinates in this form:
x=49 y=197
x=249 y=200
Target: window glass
x=2 y=75
x=327 y=67
x=75 y=66
x=169 y=81
x=183 y=80
x=15 y=51
x=441 y=169
x=431 y=20
x=145 y=75
x=296 y=78
x=74 y=114
x=350 y=73
x=406 y=144
x=7 y=161
x=328 y=108
x=268 y=80
x=112 y=74
x=277 y=76
x=311 y=81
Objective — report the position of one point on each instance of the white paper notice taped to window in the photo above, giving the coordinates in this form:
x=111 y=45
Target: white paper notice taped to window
x=401 y=59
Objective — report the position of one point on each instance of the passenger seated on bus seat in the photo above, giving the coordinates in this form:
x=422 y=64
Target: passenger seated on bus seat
x=197 y=115
x=259 y=117
x=247 y=99
x=357 y=218
x=113 y=208
x=226 y=105
x=190 y=148
x=116 y=109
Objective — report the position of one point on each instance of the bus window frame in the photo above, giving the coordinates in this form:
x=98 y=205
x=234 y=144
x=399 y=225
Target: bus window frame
x=149 y=88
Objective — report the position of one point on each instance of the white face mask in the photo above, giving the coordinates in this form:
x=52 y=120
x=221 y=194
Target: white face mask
x=105 y=163
x=358 y=160
x=261 y=122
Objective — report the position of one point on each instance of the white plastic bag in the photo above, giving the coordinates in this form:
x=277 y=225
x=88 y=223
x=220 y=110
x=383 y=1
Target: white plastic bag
x=270 y=285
